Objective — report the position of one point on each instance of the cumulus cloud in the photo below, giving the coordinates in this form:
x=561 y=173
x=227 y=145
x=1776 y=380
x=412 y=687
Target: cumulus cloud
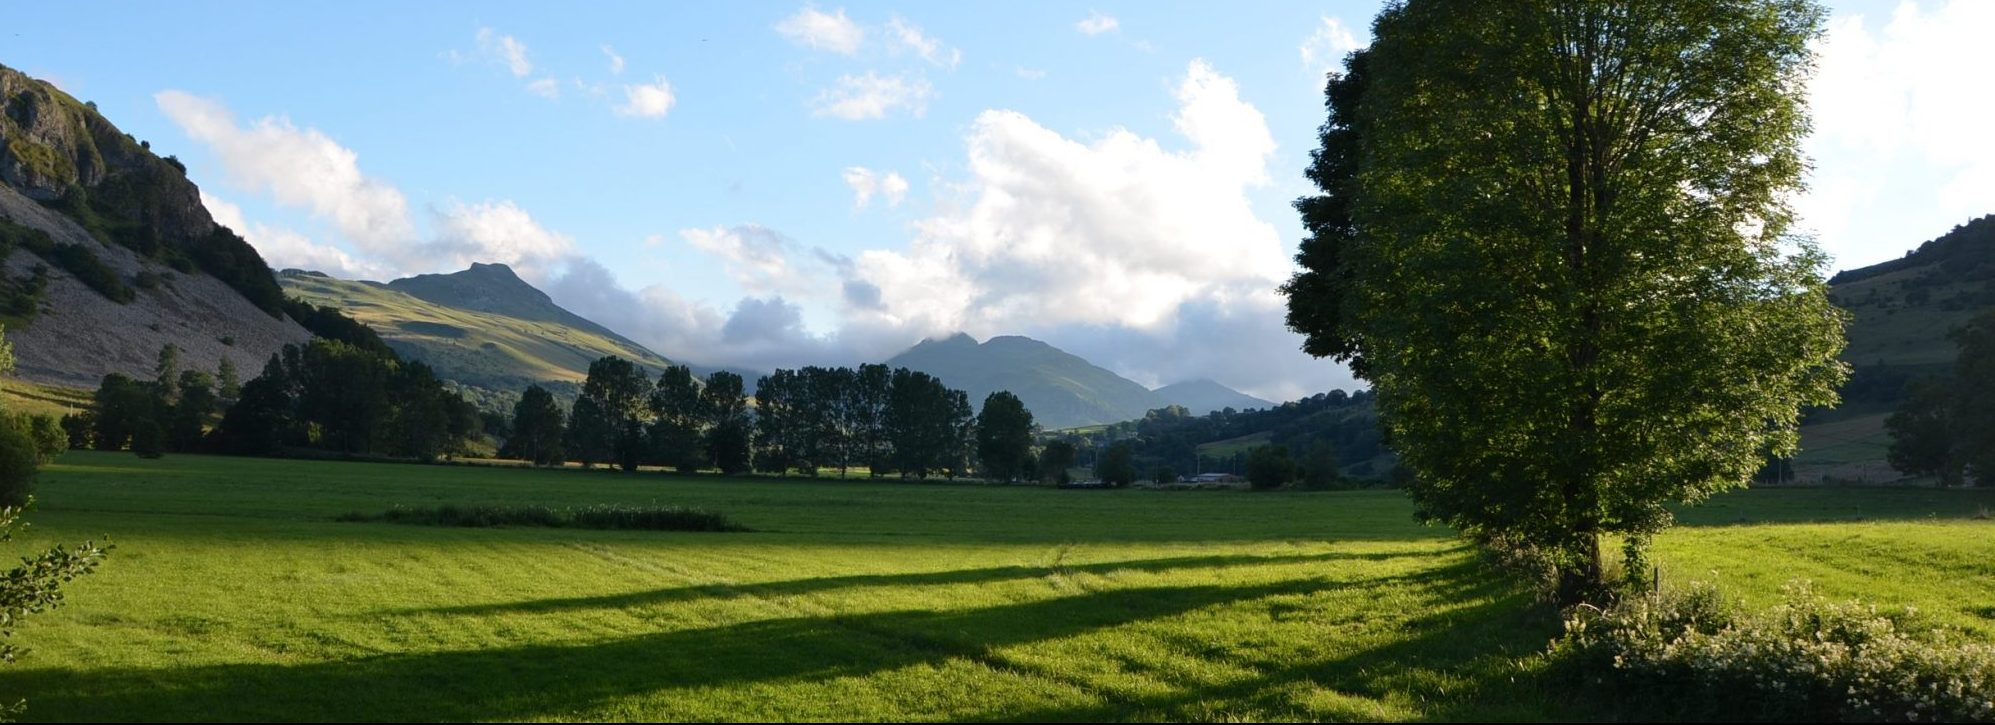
x=867 y=183
x=763 y=261
x=652 y=100
x=547 y=88
x=495 y=231
x=285 y=249
x=910 y=36
x=1326 y=48
x=872 y=96
x=298 y=167
x=506 y=50
x=1097 y=23
x=1118 y=231
x=306 y=169
x=818 y=30
x=1895 y=99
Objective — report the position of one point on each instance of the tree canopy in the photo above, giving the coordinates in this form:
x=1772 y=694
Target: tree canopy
x=1554 y=237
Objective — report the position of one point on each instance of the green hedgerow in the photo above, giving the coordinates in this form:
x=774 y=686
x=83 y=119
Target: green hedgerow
x=1806 y=659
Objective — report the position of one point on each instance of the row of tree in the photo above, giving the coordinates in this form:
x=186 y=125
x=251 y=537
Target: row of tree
x=887 y=421
x=171 y=412
x=325 y=395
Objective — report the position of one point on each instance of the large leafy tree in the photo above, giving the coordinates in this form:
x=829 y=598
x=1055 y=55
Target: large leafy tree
x=606 y=423
x=1554 y=237
x=728 y=433
x=538 y=424
x=1004 y=437
x=678 y=420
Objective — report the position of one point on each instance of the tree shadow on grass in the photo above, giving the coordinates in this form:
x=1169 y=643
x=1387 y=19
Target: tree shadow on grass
x=1460 y=663
x=591 y=680
x=815 y=585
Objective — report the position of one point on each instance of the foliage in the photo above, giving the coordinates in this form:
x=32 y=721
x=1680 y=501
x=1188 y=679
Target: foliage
x=36 y=585
x=679 y=420
x=538 y=425
x=928 y=424
x=1270 y=467
x=1117 y=465
x=606 y=424
x=602 y=516
x=1946 y=426
x=1808 y=659
x=1004 y=437
x=330 y=323
x=729 y=438
x=1054 y=460
x=1594 y=307
x=336 y=397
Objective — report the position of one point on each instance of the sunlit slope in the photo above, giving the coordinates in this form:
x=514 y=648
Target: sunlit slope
x=486 y=350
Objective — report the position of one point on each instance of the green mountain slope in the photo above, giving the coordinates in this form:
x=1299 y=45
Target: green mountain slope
x=1061 y=389
x=484 y=328
x=1901 y=313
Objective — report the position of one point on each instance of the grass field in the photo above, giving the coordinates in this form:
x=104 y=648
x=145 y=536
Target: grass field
x=234 y=595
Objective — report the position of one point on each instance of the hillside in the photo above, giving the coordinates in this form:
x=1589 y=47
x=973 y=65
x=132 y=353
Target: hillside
x=1901 y=313
x=1204 y=396
x=484 y=328
x=1061 y=389
x=109 y=255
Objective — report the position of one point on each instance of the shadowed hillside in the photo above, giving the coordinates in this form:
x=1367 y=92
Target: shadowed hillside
x=1062 y=390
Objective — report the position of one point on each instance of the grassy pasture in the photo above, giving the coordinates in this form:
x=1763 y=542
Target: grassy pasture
x=234 y=595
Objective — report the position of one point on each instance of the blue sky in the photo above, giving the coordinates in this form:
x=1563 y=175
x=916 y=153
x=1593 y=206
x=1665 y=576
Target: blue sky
x=768 y=184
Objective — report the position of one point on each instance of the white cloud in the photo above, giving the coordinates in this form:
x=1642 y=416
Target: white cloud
x=762 y=261
x=1893 y=103
x=505 y=49
x=911 y=36
x=298 y=167
x=616 y=61
x=285 y=249
x=652 y=100
x=1326 y=48
x=1030 y=74
x=817 y=30
x=495 y=231
x=1116 y=232
x=547 y=88
x=305 y=169
x=1097 y=23
x=871 y=96
x=867 y=183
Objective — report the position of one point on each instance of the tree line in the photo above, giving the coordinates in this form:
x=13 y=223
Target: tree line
x=887 y=421
x=325 y=395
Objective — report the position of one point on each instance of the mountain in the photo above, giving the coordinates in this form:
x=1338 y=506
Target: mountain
x=484 y=328
x=1901 y=313
x=1204 y=396
x=109 y=255
x=1061 y=389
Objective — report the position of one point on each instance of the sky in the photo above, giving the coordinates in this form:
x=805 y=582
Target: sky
x=779 y=184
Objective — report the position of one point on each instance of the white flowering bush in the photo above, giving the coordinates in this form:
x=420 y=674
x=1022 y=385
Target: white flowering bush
x=1806 y=659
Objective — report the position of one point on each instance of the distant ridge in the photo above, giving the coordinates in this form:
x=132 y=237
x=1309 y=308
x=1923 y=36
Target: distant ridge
x=1204 y=396
x=484 y=328
x=1061 y=389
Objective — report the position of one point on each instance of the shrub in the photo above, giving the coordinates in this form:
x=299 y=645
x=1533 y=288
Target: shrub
x=18 y=461
x=1269 y=467
x=1807 y=659
x=46 y=432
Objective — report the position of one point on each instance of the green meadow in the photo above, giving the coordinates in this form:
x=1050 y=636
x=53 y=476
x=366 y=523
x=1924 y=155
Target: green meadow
x=234 y=595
